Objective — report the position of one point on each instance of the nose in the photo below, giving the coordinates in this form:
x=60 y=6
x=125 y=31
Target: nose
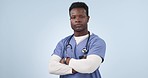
x=78 y=20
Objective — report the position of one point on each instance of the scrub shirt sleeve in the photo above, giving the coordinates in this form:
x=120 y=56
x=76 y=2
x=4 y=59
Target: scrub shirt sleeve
x=55 y=67
x=59 y=49
x=97 y=47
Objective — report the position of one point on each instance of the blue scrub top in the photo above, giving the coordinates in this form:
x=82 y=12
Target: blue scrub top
x=95 y=46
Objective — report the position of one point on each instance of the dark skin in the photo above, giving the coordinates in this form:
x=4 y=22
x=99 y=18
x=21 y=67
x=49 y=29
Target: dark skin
x=63 y=61
x=78 y=20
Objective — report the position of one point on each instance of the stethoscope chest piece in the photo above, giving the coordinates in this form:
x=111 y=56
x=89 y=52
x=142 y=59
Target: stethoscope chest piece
x=84 y=50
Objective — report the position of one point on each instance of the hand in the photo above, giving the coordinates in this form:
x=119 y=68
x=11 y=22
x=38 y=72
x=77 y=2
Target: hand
x=82 y=57
x=67 y=60
x=62 y=61
x=73 y=71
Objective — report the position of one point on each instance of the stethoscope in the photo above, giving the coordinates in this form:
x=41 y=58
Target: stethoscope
x=84 y=50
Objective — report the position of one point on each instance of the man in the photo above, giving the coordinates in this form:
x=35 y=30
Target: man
x=81 y=54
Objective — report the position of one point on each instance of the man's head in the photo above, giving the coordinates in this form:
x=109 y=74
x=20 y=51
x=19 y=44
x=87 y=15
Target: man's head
x=79 y=5
x=79 y=17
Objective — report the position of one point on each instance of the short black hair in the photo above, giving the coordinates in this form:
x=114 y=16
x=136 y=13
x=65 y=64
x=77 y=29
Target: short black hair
x=79 y=5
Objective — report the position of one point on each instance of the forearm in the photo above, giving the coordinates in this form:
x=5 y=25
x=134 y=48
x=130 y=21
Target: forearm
x=55 y=67
x=88 y=65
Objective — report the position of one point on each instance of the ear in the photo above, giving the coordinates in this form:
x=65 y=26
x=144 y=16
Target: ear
x=88 y=17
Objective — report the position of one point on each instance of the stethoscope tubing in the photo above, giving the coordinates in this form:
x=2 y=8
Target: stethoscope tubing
x=84 y=50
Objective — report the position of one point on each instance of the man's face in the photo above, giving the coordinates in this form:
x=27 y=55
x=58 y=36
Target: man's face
x=78 y=19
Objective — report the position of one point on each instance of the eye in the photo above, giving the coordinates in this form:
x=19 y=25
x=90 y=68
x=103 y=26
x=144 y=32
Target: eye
x=72 y=17
x=82 y=16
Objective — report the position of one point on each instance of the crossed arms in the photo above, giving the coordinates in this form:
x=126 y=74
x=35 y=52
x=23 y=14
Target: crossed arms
x=60 y=66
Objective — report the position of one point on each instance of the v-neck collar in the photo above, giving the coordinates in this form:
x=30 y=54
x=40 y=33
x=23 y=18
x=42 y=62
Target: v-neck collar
x=80 y=39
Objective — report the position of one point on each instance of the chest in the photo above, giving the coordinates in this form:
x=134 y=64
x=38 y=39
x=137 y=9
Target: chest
x=74 y=50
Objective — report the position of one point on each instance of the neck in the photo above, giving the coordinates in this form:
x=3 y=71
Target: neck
x=77 y=34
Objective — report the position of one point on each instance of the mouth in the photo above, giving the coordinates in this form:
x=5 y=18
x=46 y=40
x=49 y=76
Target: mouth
x=78 y=25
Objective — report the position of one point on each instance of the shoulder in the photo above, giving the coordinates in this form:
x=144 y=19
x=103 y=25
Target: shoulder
x=62 y=42
x=96 y=39
x=65 y=39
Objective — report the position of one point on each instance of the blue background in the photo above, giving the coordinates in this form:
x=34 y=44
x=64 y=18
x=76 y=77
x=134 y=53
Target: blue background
x=30 y=30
